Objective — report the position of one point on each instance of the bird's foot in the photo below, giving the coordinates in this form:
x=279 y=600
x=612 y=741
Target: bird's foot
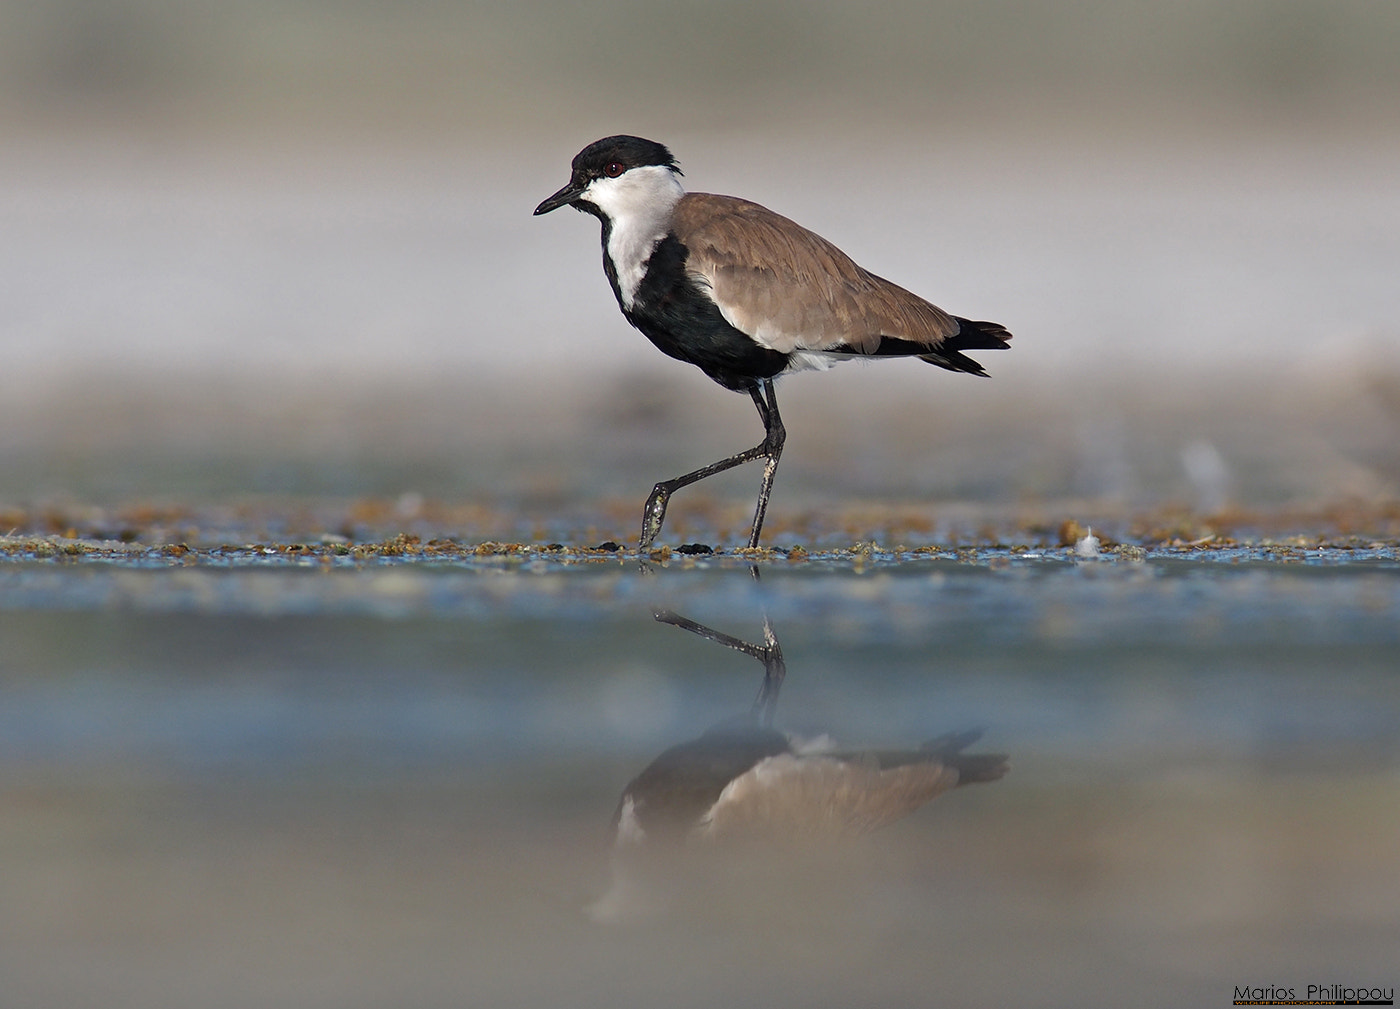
x=654 y=513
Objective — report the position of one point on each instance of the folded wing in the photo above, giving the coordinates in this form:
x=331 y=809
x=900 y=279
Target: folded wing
x=791 y=290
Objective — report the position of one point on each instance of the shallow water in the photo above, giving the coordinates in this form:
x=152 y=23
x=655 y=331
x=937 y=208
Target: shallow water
x=250 y=780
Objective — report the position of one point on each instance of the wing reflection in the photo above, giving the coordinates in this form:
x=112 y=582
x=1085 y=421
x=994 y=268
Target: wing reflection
x=746 y=784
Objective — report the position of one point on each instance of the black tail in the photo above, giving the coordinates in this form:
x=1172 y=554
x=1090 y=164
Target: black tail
x=972 y=768
x=970 y=336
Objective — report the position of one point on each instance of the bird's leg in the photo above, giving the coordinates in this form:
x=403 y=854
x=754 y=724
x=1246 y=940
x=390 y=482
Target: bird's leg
x=654 y=512
x=774 y=669
x=774 y=436
x=770 y=653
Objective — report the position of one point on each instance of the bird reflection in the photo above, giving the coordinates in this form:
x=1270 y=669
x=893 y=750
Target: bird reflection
x=744 y=785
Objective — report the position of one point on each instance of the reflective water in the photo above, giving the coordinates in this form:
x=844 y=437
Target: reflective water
x=391 y=782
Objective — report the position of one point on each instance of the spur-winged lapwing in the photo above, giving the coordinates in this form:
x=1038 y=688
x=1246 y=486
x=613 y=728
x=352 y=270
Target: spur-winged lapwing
x=745 y=783
x=744 y=294
x=742 y=780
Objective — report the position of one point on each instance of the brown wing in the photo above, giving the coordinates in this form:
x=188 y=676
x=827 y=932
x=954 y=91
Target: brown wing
x=789 y=796
x=792 y=290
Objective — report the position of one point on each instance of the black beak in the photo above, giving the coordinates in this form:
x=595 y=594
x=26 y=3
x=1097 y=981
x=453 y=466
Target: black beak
x=563 y=198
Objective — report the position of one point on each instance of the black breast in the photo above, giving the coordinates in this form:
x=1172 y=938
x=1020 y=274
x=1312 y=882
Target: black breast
x=681 y=785
x=677 y=316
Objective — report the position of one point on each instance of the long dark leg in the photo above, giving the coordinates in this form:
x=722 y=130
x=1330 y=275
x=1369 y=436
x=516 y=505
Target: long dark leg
x=774 y=670
x=774 y=437
x=771 y=449
x=770 y=653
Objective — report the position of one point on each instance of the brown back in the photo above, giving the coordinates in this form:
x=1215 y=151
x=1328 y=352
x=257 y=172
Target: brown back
x=791 y=289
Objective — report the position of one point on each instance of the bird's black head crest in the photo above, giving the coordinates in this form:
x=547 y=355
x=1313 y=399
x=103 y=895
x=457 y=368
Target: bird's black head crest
x=629 y=152
x=610 y=158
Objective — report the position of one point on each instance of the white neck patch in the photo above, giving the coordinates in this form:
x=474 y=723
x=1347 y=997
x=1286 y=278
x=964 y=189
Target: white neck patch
x=629 y=828
x=639 y=204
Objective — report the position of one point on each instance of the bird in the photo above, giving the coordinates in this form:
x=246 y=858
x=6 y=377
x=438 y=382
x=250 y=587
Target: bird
x=742 y=782
x=744 y=294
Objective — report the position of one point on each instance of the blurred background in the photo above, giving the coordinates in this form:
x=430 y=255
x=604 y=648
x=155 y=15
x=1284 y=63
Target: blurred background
x=268 y=271
x=287 y=246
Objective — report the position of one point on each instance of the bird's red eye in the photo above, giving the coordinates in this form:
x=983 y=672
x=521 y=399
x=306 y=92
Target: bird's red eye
x=614 y=169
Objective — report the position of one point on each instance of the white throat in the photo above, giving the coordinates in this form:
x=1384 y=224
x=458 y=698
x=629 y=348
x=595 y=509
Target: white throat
x=639 y=204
